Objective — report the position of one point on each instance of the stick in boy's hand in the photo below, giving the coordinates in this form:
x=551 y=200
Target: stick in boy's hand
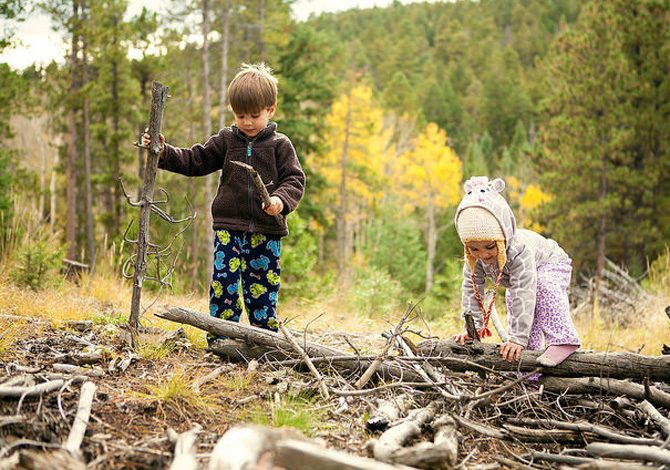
x=271 y=205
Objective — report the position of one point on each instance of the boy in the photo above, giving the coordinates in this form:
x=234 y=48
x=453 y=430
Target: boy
x=247 y=241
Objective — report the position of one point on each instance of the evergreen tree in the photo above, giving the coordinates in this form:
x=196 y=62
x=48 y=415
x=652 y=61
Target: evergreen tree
x=587 y=134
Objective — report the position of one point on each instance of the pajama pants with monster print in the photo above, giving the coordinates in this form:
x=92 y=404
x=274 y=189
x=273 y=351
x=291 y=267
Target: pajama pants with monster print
x=246 y=262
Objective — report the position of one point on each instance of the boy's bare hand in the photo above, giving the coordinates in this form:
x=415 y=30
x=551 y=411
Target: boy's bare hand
x=462 y=338
x=511 y=351
x=275 y=207
x=146 y=139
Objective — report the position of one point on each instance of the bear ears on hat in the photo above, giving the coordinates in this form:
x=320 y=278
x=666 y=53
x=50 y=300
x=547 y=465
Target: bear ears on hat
x=483 y=183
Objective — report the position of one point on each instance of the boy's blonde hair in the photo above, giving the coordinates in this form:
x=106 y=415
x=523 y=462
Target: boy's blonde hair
x=253 y=89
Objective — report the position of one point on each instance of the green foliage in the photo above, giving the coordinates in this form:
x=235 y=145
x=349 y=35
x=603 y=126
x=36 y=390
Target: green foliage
x=296 y=413
x=375 y=292
x=444 y=299
x=298 y=258
x=6 y=183
x=605 y=157
x=395 y=246
x=38 y=261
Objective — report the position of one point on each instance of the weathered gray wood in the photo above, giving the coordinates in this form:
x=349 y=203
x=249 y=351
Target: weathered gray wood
x=583 y=426
x=159 y=97
x=80 y=422
x=629 y=452
x=661 y=421
x=614 y=387
x=389 y=447
x=323 y=387
x=18 y=392
x=306 y=455
x=184 y=448
x=580 y=364
x=387 y=411
x=260 y=187
x=273 y=341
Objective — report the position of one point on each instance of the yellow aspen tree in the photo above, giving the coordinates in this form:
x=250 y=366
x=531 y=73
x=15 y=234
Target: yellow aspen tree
x=430 y=177
x=353 y=166
x=525 y=200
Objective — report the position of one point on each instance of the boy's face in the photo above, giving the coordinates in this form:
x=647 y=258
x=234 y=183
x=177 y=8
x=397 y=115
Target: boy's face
x=487 y=251
x=252 y=123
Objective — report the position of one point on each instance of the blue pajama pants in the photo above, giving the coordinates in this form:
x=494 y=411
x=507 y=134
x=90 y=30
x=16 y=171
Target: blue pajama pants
x=247 y=263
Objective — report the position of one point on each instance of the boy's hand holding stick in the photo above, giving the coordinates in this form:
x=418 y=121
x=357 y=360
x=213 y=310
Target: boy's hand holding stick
x=260 y=187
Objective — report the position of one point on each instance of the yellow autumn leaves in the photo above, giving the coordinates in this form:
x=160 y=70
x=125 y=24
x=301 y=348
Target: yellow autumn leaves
x=364 y=166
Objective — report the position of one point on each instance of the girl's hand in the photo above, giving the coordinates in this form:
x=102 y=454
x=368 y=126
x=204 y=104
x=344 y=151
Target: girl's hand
x=275 y=207
x=462 y=338
x=511 y=351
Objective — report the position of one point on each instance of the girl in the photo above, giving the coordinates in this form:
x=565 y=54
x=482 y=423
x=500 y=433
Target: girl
x=535 y=271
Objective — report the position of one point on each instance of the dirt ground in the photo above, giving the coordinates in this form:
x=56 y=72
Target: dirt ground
x=134 y=407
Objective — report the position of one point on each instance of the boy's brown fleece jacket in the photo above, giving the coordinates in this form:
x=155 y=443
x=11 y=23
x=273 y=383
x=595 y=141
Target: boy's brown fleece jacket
x=237 y=205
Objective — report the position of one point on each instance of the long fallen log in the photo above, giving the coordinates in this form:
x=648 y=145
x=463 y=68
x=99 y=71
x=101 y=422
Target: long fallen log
x=614 y=387
x=276 y=341
x=617 y=365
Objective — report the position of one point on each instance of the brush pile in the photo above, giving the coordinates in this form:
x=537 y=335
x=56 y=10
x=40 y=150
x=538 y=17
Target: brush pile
x=65 y=403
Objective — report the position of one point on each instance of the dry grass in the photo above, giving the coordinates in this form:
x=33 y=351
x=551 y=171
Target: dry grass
x=107 y=300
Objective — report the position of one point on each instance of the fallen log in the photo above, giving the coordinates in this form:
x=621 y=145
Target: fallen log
x=275 y=341
x=617 y=365
x=629 y=452
x=615 y=387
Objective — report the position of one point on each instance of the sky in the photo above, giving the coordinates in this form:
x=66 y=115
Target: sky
x=39 y=44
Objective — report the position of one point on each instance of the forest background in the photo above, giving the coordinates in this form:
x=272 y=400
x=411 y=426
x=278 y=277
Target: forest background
x=390 y=110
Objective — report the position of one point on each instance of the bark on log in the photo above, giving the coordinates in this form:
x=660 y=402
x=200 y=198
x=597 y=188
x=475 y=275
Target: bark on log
x=615 y=387
x=273 y=341
x=602 y=431
x=580 y=364
x=629 y=452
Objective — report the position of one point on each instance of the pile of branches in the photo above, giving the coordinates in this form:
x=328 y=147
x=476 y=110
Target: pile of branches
x=432 y=405
x=619 y=293
x=442 y=405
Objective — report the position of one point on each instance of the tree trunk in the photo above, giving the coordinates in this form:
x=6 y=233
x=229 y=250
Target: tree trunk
x=193 y=194
x=225 y=43
x=207 y=130
x=116 y=152
x=431 y=242
x=600 y=237
x=70 y=223
x=342 y=223
x=90 y=229
x=261 y=29
x=52 y=193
